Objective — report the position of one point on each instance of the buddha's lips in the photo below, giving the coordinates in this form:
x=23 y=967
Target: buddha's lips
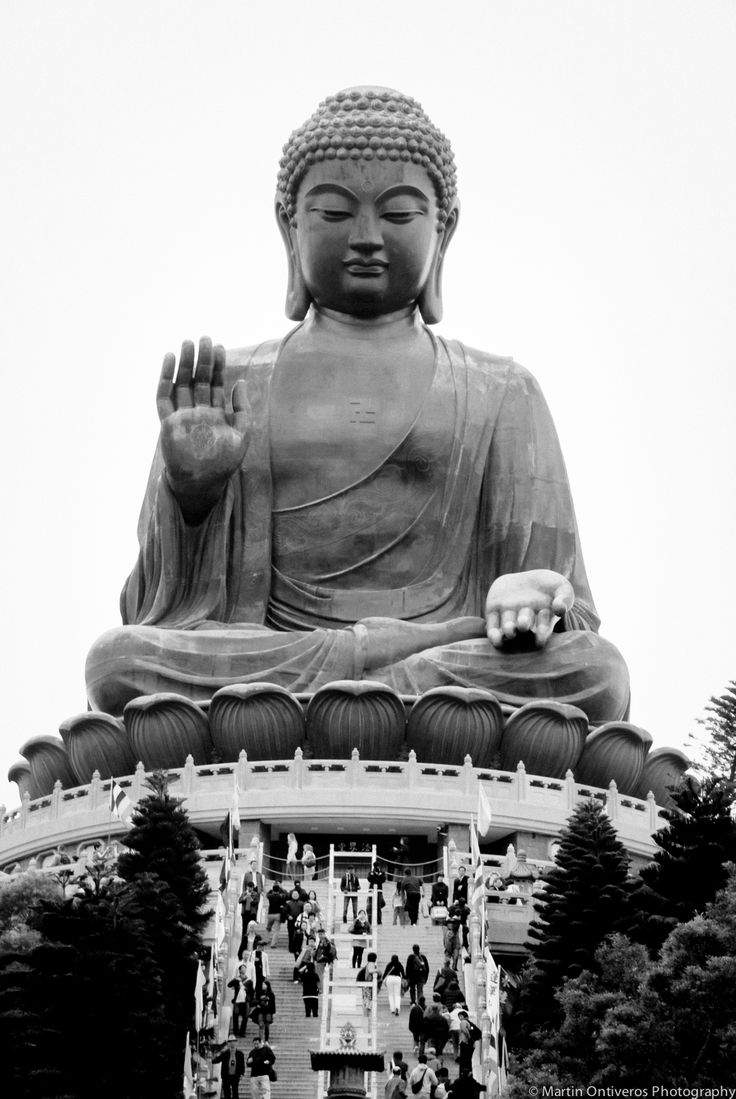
x=363 y=270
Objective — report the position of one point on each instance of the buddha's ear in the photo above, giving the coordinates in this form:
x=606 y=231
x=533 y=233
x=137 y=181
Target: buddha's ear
x=297 y=295
x=430 y=299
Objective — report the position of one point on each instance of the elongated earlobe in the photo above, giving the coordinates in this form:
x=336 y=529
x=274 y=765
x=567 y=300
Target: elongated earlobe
x=298 y=299
x=430 y=299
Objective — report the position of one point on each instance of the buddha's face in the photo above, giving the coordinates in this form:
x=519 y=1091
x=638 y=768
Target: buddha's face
x=366 y=234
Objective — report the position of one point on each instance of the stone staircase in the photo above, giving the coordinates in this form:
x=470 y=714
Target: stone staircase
x=293 y=1035
x=393 y=1030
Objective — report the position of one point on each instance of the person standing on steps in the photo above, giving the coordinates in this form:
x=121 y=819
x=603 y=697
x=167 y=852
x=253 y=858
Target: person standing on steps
x=361 y=927
x=465 y=1086
x=460 y=886
x=376 y=878
x=233 y=1067
x=423 y=1076
x=309 y=861
x=292 y=862
x=310 y=990
x=293 y=910
x=326 y=953
x=397 y=905
x=411 y=887
x=276 y=900
x=264 y=1010
x=417 y=972
x=365 y=976
x=349 y=887
x=395 y=1086
x=260 y=1062
x=393 y=975
x=243 y=997
x=416 y=1024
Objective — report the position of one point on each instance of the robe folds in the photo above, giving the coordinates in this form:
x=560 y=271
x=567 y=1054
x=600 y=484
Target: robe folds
x=476 y=489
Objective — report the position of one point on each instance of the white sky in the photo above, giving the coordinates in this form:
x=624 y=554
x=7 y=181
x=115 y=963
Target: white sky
x=596 y=151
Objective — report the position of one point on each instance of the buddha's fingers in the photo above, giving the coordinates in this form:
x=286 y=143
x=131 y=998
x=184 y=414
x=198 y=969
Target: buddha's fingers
x=493 y=631
x=241 y=407
x=183 y=383
x=543 y=627
x=564 y=599
x=525 y=619
x=218 y=377
x=203 y=378
x=509 y=623
x=165 y=391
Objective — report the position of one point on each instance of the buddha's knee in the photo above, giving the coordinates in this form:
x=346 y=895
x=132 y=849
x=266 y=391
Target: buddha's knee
x=109 y=664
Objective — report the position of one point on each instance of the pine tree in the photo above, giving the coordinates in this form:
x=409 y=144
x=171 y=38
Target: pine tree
x=169 y=895
x=585 y=900
x=679 y=1028
x=716 y=748
x=163 y=842
x=689 y=867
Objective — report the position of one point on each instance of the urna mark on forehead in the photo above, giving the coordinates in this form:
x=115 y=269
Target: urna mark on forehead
x=369 y=123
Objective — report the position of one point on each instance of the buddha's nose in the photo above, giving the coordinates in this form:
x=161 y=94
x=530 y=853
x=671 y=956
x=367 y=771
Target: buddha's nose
x=366 y=235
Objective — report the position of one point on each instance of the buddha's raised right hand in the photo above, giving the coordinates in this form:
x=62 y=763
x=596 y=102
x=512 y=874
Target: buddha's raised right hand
x=202 y=443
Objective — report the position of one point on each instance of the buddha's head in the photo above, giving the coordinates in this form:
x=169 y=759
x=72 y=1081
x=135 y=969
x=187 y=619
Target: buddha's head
x=366 y=203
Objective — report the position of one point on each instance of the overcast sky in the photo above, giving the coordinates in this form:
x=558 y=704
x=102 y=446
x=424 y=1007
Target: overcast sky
x=596 y=152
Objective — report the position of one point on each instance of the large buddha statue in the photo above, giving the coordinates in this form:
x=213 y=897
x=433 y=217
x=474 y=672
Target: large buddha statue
x=362 y=499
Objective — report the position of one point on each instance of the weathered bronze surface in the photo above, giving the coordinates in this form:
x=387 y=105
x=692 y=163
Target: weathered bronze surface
x=362 y=499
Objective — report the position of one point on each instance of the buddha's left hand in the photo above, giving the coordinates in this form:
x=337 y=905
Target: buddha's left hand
x=523 y=602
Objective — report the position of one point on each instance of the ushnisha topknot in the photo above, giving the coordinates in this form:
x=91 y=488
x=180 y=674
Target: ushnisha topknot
x=363 y=124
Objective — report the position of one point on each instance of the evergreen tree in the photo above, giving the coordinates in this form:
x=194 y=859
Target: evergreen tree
x=679 y=1030
x=688 y=869
x=716 y=748
x=169 y=895
x=162 y=842
x=567 y=1057
x=83 y=1012
x=585 y=900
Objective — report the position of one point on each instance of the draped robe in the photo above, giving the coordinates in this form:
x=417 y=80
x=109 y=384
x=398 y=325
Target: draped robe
x=476 y=489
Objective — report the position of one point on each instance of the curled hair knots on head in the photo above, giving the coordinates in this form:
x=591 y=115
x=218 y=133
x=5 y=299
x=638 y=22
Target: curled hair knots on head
x=363 y=124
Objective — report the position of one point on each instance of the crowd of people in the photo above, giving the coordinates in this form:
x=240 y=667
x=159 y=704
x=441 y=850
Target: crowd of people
x=439 y=1021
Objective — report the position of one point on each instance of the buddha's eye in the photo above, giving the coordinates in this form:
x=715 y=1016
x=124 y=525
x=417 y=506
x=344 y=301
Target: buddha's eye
x=401 y=217
x=331 y=213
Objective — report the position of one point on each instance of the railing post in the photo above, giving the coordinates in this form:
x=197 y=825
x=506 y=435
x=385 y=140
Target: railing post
x=242 y=771
x=521 y=781
x=412 y=771
x=95 y=789
x=56 y=799
x=612 y=800
x=187 y=776
x=25 y=809
x=354 y=768
x=652 y=807
x=138 y=779
x=297 y=770
x=571 y=789
x=468 y=776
